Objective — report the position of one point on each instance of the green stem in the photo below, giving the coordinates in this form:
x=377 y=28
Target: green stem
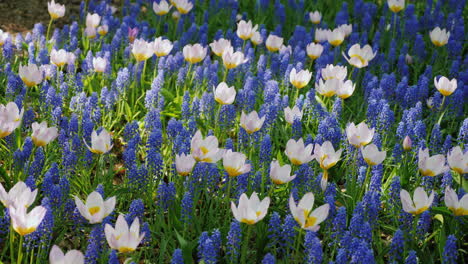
x=48 y=29
x=20 y=252
x=12 y=240
x=245 y=245
x=225 y=75
x=142 y=80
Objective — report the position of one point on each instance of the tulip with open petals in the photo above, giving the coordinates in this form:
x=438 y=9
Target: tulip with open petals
x=396 y=5
x=292 y=114
x=142 y=50
x=274 y=43
x=359 y=135
x=303 y=214
x=297 y=153
x=314 y=50
x=57 y=256
x=321 y=35
x=25 y=223
x=10 y=118
x=184 y=164
x=252 y=210
x=335 y=37
x=431 y=166
x=102 y=30
x=235 y=163
x=219 y=46
x=43 y=135
x=256 y=38
x=20 y=195
x=183 y=6
x=328 y=88
x=334 y=72
x=326 y=155
x=347 y=29
x=124 y=238
x=458 y=207
x=280 y=174
x=90 y=32
x=420 y=202
x=439 y=37
x=162 y=8
x=299 y=79
x=372 y=155
x=345 y=89
x=245 y=30
x=99 y=64
x=56 y=10
x=59 y=57
x=315 y=17
x=100 y=143
x=233 y=59
x=251 y=122
x=95 y=209
x=445 y=86
x=359 y=57
x=206 y=150
x=224 y=94
x=92 y=20
x=31 y=75
x=162 y=47
x=457 y=160
x=194 y=53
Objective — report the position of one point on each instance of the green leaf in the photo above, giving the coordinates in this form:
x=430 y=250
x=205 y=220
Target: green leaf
x=187 y=248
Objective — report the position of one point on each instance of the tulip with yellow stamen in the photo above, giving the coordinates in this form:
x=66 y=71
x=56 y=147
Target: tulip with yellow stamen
x=25 y=223
x=102 y=30
x=303 y=214
x=233 y=59
x=123 y=238
x=235 y=163
x=372 y=155
x=457 y=160
x=250 y=211
x=10 y=118
x=458 y=207
x=298 y=153
x=245 y=30
x=206 y=149
x=162 y=47
x=420 y=202
x=224 y=94
x=184 y=164
x=335 y=37
x=314 y=50
x=183 y=6
x=31 y=75
x=57 y=256
x=142 y=50
x=194 y=53
x=439 y=37
x=359 y=57
x=292 y=114
x=162 y=8
x=20 y=195
x=251 y=122
x=396 y=5
x=359 y=135
x=300 y=79
x=280 y=174
x=315 y=17
x=56 y=10
x=274 y=43
x=445 y=86
x=43 y=135
x=431 y=165
x=100 y=143
x=95 y=209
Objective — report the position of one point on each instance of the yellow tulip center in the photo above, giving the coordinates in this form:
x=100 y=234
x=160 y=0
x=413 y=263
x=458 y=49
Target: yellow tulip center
x=24 y=230
x=94 y=210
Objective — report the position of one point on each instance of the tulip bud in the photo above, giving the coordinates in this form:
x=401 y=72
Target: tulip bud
x=407 y=144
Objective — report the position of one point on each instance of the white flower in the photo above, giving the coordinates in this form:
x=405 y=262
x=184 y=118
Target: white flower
x=458 y=160
x=233 y=59
x=102 y=30
x=445 y=86
x=20 y=195
x=396 y=5
x=183 y=6
x=274 y=43
x=280 y=174
x=55 y=10
x=252 y=210
x=184 y=164
x=359 y=135
x=48 y=71
x=92 y=20
x=346 y=28
x=256 y=38
x=326 y=155
x=10 y=118
x=235 y=163
x=206 y=150
x=90 y=32
x=31 y=75
x=439 y=37
x=321 y=35
x=315 y=17
x=100 y=143
x=297 y=153
x=346 y=89
x=43 y=135
x=162 y=47
x=458 y=207
x=142 y=50
x=335 y=37
x=99 y=64
x=162 y=8
x=56 y=256
x=224 y=94
x=303 y=214
x=124 y=238
x=407 y=143
x=329 y=87
x=95 y=209
x=194 y=53
x=372 y=155
x=359 y=57
x=251 y=122
x=292 y=114
x=245 y=30
x=420 y=202
x=299 y=79
x=219 y=46
x=3 y=37
x=334 y=72
x=25 y=223
x=314 y=50
x=431 y=166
